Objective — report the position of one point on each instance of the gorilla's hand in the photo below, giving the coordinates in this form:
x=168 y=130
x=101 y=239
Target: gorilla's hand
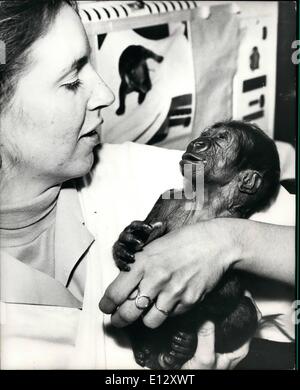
x=133 y=238
x=182 y=349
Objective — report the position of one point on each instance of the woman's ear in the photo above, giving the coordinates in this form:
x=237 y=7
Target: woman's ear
x=249 y=181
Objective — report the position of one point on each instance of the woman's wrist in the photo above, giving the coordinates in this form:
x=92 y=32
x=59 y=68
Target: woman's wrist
x=231 y=236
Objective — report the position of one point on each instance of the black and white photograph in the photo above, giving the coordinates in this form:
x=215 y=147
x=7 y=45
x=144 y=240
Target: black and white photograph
x=148 y=186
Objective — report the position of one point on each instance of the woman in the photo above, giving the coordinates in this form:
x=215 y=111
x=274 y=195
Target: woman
x=51 y=101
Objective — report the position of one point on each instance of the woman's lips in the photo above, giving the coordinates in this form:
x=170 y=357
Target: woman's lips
x=89 y=134
x=91 y=138
x=94 y=131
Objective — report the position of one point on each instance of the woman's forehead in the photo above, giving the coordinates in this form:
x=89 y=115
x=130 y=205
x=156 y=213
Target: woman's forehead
x=64 y=43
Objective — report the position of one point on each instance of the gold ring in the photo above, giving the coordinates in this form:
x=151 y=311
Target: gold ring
x=142 y=302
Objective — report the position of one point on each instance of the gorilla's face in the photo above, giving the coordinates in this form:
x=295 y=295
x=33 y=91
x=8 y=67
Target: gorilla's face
x=217 y=149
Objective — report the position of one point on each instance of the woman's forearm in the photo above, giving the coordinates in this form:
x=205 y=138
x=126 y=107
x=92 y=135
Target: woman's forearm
x=264 y=249
x=185 y=264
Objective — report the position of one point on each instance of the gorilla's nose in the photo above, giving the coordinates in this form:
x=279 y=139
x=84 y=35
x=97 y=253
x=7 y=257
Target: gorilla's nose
x=202 y=144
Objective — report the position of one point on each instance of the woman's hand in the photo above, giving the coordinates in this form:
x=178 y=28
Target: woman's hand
x=176 y=270
x=206 y=358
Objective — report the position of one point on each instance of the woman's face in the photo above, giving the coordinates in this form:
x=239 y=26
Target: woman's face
x=46 y=130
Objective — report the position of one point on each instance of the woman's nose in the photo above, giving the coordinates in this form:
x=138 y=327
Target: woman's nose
x=101 y=96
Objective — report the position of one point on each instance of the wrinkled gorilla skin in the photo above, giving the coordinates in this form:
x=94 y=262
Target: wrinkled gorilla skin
x=134 y=74
x=240 y=160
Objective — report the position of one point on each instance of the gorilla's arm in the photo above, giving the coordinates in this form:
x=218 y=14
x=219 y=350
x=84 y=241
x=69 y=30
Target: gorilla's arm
x=166 y=214
x=139 y=233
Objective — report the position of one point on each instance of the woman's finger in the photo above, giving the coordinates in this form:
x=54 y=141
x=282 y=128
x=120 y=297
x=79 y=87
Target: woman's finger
x=205 y=357
x=134 y=307
x=228 y=361
x=126 y=314
x=118 y=291
x=160 y=310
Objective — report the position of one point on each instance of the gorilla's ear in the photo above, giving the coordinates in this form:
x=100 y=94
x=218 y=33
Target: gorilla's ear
x=249 y=181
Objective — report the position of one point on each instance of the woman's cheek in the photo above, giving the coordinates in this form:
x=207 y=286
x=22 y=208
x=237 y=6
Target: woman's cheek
x=77 y=112
x=68 y=123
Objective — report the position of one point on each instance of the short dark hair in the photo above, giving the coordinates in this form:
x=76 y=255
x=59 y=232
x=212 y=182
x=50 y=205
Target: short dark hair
x=257 y=151
x=22 y=22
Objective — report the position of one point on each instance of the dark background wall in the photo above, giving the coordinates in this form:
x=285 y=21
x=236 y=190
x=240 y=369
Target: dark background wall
x=286 y=103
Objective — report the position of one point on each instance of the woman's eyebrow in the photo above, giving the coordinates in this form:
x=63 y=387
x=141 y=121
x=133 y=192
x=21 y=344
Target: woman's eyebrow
x=77 y=64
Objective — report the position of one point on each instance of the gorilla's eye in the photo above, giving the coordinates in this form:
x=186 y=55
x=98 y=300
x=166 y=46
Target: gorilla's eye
x=223 y=136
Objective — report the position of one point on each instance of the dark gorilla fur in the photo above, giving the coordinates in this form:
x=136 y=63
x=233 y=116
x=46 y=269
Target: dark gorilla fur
x=134 y=74
x=241 y=174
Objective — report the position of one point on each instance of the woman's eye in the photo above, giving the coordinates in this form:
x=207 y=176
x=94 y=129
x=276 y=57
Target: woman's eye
x=74 y=85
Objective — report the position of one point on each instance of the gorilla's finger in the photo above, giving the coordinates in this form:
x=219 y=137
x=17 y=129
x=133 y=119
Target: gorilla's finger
x=122 y=265
x=185 y=339
x=168 y=359
x=179 y=341
x=179 y=348
x=140 y=357
x=121 y=252
x=140 y=225
x=158 y=229
x=179 y=355
x=168 y=362
x=183 y=347
x=130 y=240
x=140 y=230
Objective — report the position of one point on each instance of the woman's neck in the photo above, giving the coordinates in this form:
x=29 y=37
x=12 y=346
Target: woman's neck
x=18 y=189
x=31 y=215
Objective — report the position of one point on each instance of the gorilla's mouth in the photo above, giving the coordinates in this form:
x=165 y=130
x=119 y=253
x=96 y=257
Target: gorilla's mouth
x=190 y=158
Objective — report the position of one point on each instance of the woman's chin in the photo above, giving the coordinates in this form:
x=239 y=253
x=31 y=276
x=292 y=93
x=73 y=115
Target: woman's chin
x=79 y=169
x=86 y=166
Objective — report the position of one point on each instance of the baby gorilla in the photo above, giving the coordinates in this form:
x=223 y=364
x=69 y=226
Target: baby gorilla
x=241 y=176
